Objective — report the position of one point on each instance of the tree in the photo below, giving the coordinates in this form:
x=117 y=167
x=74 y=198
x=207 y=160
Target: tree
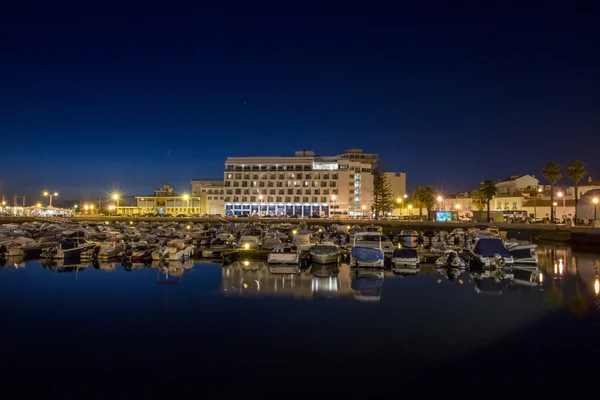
x=382 y=194
x=488 y=190
x=478 y=199
x=552 y=173
x=576 y=171
x=424 y=196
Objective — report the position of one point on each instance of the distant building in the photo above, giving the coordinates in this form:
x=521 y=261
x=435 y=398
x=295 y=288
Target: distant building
x=304 y=184
x=164 y=201
x=398 y=182
x=211 y=193
x=583 y=187
x=517 y=184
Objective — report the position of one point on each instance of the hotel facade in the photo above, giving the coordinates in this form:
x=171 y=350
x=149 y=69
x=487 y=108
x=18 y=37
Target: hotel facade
x=304 y=184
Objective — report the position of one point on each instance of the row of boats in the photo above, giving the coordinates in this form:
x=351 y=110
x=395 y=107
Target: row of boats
x=362 y=247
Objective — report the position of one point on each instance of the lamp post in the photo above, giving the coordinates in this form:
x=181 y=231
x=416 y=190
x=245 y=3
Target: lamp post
x=333 y=198
x=457 y=210
x=535 y=204
x=186 y=197
x=115 y=197
x=560 y=194
x=50 y=195
x=595 y=200
x=86 y=208
x=410 y=210
x=260 y=205
x=363 y=207
x=553 y=212
x=399 y=201
x=440 y=204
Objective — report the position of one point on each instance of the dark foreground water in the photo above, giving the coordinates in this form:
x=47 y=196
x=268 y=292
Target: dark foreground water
x=243 y=329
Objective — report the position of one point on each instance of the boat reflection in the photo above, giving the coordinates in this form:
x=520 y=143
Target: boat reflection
x=325 y=278
x=367 y=283
x=526 y=275
x=253 y=279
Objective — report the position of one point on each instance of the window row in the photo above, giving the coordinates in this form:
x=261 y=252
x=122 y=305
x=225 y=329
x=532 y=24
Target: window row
x=282 y=191
x=278 y=199
x=315 y=175
x=314 y=184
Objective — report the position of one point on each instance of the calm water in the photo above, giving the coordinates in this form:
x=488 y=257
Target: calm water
x=203 y=321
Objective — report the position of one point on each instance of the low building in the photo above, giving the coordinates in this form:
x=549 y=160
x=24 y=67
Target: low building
x=164 y=201
x=586 y=207
x=583 y=187
x=517 y=184
x=211 y=193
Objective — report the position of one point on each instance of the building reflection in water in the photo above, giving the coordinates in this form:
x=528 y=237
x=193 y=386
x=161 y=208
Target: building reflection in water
x=252 y=278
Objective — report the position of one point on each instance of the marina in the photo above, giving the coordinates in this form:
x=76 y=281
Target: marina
x=191 y=309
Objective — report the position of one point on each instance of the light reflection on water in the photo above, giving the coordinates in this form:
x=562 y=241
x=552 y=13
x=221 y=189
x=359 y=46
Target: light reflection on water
x=433 y=316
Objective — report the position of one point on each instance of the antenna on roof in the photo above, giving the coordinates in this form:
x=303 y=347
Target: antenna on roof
x=169 y=163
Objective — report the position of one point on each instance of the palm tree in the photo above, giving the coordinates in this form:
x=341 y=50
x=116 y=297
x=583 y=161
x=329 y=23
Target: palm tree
x=552 y=173
x=488 y=189
x=423 y=196
x=576 y=171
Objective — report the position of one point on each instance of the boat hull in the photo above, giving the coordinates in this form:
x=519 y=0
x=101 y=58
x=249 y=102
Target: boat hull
x=283 y=258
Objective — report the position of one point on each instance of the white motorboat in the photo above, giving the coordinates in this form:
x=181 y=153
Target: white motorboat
x=67 y=248
x=450 y=259
x=325 y=253
x=490 y=252
x=367 y=251
x=302 y=240
x=374 y=229
x=162 y=253
x=179 y=250
x=409 y=238
x=249 y=242
x=522 y=252
x=283 y=255
x=405 y=258
x=271 y=241
x=110 y=250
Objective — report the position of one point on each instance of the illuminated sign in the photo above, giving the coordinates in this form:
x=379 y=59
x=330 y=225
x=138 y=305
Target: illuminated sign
x=329 y=166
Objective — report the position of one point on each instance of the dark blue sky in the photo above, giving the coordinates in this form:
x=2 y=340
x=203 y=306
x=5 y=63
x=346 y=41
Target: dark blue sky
x=91 y=99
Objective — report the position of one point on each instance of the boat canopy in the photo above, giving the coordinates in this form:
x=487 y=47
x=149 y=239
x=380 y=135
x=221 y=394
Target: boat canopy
x=367 y=253
x=405 y=253
x=490 y=247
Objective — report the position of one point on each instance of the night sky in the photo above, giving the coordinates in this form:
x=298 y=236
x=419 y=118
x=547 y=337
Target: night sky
x=92 y=99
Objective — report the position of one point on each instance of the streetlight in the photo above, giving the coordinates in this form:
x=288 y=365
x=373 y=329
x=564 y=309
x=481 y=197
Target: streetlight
x=86 y=208
x=457 y=211
x=50 y=195
x=535 y=204
x=439 y=200
x=363 y=210
x=38 y=205
x=410 y=210
x=333 y=198
x=186 y=197
x=260 y=202
x=560 y=194
x=115 y=197
x=595 y=200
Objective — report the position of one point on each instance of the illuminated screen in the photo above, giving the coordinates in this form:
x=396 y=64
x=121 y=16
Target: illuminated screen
x=442 y=216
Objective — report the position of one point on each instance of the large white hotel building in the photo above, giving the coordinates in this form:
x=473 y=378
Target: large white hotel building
x=304 y=184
